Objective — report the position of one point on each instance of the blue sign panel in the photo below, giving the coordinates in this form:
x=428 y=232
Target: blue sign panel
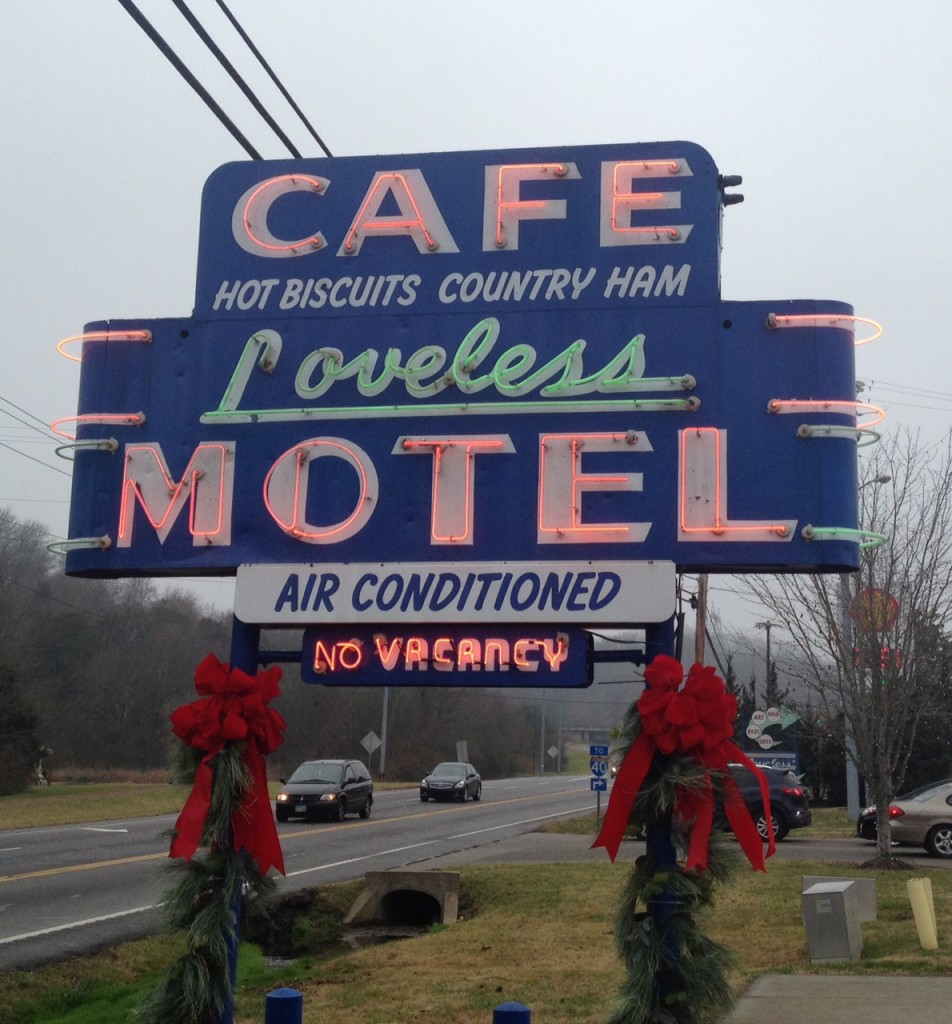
x=598 y=750
x=598 y=785
x=429 y=656
x=486 y=357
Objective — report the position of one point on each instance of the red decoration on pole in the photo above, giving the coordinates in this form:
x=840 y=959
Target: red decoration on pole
x=234 y=709
x=693 y=717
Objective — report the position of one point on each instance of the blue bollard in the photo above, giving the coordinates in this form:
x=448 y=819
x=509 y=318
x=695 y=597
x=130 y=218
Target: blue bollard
x=284 y=1006
x=512 y=1013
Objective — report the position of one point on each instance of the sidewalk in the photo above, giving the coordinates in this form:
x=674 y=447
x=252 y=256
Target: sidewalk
x=812 y=999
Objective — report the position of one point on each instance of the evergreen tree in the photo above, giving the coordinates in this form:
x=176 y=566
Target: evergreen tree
x=19 y=749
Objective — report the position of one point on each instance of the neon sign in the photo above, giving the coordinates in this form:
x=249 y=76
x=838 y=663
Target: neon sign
x=429 y=367
x=427 y=656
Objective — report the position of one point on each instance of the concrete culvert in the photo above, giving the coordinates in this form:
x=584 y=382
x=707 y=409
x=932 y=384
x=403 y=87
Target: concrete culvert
x=410 y=907
x=413 y=898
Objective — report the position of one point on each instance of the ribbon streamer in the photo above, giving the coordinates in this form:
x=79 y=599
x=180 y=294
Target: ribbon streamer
x=694 y=717
x=234 y=709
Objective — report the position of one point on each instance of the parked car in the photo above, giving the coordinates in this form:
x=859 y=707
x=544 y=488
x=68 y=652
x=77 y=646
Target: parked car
x=924 y=818
x=866 y=822
x=329 y=788
x=452 y=780
x=789 y=800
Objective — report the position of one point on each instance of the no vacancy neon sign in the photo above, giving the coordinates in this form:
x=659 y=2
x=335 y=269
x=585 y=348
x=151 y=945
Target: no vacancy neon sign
x=461 y=364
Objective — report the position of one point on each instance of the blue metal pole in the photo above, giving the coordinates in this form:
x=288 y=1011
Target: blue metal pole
x=512 y=1013
x=284 y=1006
x=660 y=639
x=245 y=641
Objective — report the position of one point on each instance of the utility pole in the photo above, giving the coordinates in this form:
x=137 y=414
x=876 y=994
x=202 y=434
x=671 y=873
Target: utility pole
x=700 y=622
x=765 y=626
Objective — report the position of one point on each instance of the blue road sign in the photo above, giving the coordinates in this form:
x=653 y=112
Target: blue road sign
x=599 y=785
x=598 y=750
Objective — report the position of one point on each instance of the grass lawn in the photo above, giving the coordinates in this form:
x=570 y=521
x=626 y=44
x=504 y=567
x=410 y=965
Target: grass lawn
x=540 y=934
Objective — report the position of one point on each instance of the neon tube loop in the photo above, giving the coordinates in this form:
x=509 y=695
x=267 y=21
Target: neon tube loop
x=106 y=444
x=129 y=419
x=60 y=547
x=138 y=336
x=865 y=538
x=838 y=320
x=818 y=431
x=784 y=406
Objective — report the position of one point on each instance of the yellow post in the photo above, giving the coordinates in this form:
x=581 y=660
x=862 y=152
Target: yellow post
x=923 y=910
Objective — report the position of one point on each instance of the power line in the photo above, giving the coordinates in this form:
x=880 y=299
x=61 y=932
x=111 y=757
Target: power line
x=274 y=78
x=43 y=427
x=180 y=67
x=235 y=76
x=39 y=462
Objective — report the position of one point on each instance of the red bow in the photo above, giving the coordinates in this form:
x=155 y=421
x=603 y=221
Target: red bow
x=696 y=719
x=234 y=709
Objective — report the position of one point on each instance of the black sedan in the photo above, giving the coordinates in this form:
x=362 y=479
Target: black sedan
x=326 y=789
x=452 y=780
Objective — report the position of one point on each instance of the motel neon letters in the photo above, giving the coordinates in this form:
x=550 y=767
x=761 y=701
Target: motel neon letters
x=207 y=485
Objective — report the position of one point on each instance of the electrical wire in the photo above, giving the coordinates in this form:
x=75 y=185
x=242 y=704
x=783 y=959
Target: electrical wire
x=180 y=67
x=39 y=462
x=210 y=43
x=274 y=78
x=43 y=427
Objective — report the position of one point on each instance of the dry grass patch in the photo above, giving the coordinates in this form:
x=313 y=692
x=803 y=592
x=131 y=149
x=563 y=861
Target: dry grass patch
x=541 y=936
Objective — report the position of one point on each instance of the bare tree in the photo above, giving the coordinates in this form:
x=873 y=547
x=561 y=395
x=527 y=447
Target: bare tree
x=872 y=644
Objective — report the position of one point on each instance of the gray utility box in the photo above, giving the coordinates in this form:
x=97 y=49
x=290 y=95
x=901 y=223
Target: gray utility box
x=865 y=892
x=831 y=916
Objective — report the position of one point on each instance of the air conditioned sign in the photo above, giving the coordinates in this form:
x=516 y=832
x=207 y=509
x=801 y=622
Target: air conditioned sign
x=464 y=360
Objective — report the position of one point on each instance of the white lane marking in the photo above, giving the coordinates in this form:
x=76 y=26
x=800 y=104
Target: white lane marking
x=10 y=849
x=509 y=824
x=93 y=828
x=356 y=860
x=76 y=924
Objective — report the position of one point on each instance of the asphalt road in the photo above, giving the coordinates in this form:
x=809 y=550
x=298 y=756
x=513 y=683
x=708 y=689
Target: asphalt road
x=71 y=890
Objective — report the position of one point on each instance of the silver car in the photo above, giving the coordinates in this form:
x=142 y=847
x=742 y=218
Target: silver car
x=924 y=819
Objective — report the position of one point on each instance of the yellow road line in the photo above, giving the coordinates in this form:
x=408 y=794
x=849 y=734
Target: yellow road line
x=297 y=834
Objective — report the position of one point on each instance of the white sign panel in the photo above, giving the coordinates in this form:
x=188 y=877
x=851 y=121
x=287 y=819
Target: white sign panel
x=585 y=593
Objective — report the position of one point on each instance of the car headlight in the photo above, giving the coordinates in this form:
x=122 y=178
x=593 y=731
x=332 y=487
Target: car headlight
x=282 y=798
x=460 y=784
x=328 y=797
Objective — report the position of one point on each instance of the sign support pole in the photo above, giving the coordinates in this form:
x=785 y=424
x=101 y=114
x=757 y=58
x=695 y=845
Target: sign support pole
x=245 y=641
x=660 y=639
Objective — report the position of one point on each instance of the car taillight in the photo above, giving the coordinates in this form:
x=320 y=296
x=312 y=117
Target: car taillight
x=896 y=812
x=792 y=790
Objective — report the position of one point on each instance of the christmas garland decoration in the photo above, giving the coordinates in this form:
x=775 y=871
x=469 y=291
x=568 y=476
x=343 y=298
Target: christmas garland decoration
x=674 y=778
x=225 y=834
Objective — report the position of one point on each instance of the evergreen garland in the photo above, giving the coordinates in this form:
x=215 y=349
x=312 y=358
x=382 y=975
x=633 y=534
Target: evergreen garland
x=675 y=973
x=205 y=902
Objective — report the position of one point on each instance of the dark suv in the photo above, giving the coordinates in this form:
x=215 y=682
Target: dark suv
x=789 y=801
x=329 y=788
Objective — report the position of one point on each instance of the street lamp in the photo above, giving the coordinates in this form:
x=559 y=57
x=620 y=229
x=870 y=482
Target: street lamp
x=765 y=626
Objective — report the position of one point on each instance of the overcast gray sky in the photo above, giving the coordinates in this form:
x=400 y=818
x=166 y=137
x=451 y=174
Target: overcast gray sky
x=835 y=113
